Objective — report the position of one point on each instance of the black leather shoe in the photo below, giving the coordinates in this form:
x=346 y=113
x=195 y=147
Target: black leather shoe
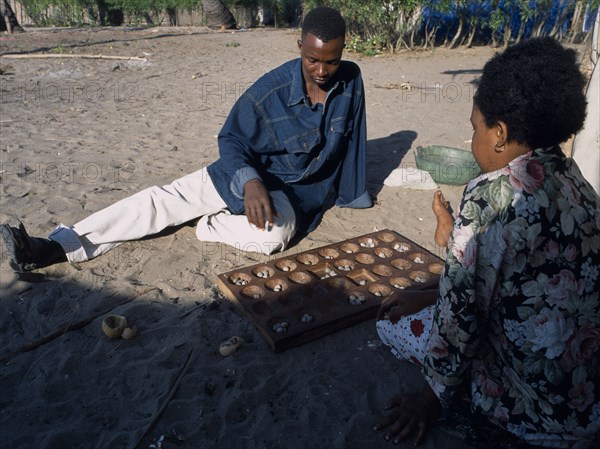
x=30 y=253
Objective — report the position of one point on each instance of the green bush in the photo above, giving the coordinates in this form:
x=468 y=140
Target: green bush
x=377 y=25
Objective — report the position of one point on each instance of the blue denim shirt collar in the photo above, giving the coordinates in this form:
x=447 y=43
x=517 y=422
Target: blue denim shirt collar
x=297 y=94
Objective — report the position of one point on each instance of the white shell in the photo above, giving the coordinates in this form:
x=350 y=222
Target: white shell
x=129 y=332
x=229 y=346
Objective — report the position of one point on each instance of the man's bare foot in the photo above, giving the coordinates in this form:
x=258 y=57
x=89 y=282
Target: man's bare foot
x=444 y=219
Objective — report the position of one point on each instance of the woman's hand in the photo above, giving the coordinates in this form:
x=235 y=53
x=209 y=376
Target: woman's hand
x=405 y=303
x=410 y=413
x=441 y=210
x=257 y=204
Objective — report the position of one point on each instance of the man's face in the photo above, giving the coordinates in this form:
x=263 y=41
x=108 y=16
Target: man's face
x=320 y=60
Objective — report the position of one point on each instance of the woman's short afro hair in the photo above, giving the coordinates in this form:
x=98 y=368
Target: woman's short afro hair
x=325 y=23
x=536 y=88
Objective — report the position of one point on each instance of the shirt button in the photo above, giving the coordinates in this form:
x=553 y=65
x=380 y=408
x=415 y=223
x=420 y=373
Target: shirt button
x=305 y=145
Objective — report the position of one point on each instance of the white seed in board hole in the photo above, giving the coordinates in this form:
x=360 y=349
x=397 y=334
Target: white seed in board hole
x=306 y=318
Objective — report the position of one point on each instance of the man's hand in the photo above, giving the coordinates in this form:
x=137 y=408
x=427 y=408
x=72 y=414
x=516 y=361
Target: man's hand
x=257 y=204
x=404 y=303
x=411 y=413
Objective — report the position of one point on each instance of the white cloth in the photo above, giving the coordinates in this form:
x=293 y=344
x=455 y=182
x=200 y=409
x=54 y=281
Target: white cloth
x=586 y=146
x=408 y=339
x=156 y=208
x=410 y=178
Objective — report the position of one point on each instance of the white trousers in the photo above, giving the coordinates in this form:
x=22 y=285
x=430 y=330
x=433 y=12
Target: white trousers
x=156 y=208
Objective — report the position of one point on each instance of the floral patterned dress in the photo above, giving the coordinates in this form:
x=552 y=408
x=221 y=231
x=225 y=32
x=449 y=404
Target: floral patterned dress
x=518 y=309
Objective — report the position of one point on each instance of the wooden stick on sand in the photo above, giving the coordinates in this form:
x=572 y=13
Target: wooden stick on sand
x=76 y=56
x=170 y=394
x=29 y=346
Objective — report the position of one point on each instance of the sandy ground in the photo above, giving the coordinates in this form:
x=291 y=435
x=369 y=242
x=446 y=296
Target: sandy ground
x=79 y=134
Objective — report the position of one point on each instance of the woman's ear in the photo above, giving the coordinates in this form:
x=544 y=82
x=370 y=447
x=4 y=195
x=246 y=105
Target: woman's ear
x=501 y=133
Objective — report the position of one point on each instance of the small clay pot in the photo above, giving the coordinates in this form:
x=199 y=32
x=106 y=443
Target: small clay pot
x=114 y=325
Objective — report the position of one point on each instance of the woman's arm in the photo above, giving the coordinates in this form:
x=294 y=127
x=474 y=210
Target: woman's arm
x=402 y=303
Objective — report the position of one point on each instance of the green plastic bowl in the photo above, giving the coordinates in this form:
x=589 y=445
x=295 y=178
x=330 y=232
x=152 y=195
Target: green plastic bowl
x=447 y=165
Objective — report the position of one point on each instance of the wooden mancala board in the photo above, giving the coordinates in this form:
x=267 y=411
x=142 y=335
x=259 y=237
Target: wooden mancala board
x=301 y=297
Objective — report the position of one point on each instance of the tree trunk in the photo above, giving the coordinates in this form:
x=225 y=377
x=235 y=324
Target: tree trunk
x=576 y=21
x=461 y=22
x=217 y=14
x=471 y=37
x=506 y=35
x=8 y=20
x=556 y=30
x=172 y=15
x=539 y=23
x=520 y=32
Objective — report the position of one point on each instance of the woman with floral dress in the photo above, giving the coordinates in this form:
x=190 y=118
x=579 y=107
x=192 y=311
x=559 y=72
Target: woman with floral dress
x=515 y=322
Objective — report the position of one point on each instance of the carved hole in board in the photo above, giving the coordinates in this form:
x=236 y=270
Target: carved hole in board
x=419 y=258
x=401 y=264
x=361 y=277
x=308 y=259
x=263 y=272
x=300 y=277
x=344 y=265
x=386 y=237
x=419 y=276
x=286 y=265
x=276 y=285
x=400 y=282
x=329 y=253
x=253 y=292
x=349 y=248
x=261 y=307
x=240 y=279
x=382 y=270
x=383 y=253
x=365 y=259
x=379 y=290
x=402 y=247
x=367 y=242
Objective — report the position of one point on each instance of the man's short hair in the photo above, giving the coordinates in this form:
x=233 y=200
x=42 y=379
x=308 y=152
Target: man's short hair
x=325 y=23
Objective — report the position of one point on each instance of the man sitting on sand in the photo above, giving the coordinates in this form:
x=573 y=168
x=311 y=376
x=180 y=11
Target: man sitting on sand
x=293 y=139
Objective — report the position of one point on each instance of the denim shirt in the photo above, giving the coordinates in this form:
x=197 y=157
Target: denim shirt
x=274 y=133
